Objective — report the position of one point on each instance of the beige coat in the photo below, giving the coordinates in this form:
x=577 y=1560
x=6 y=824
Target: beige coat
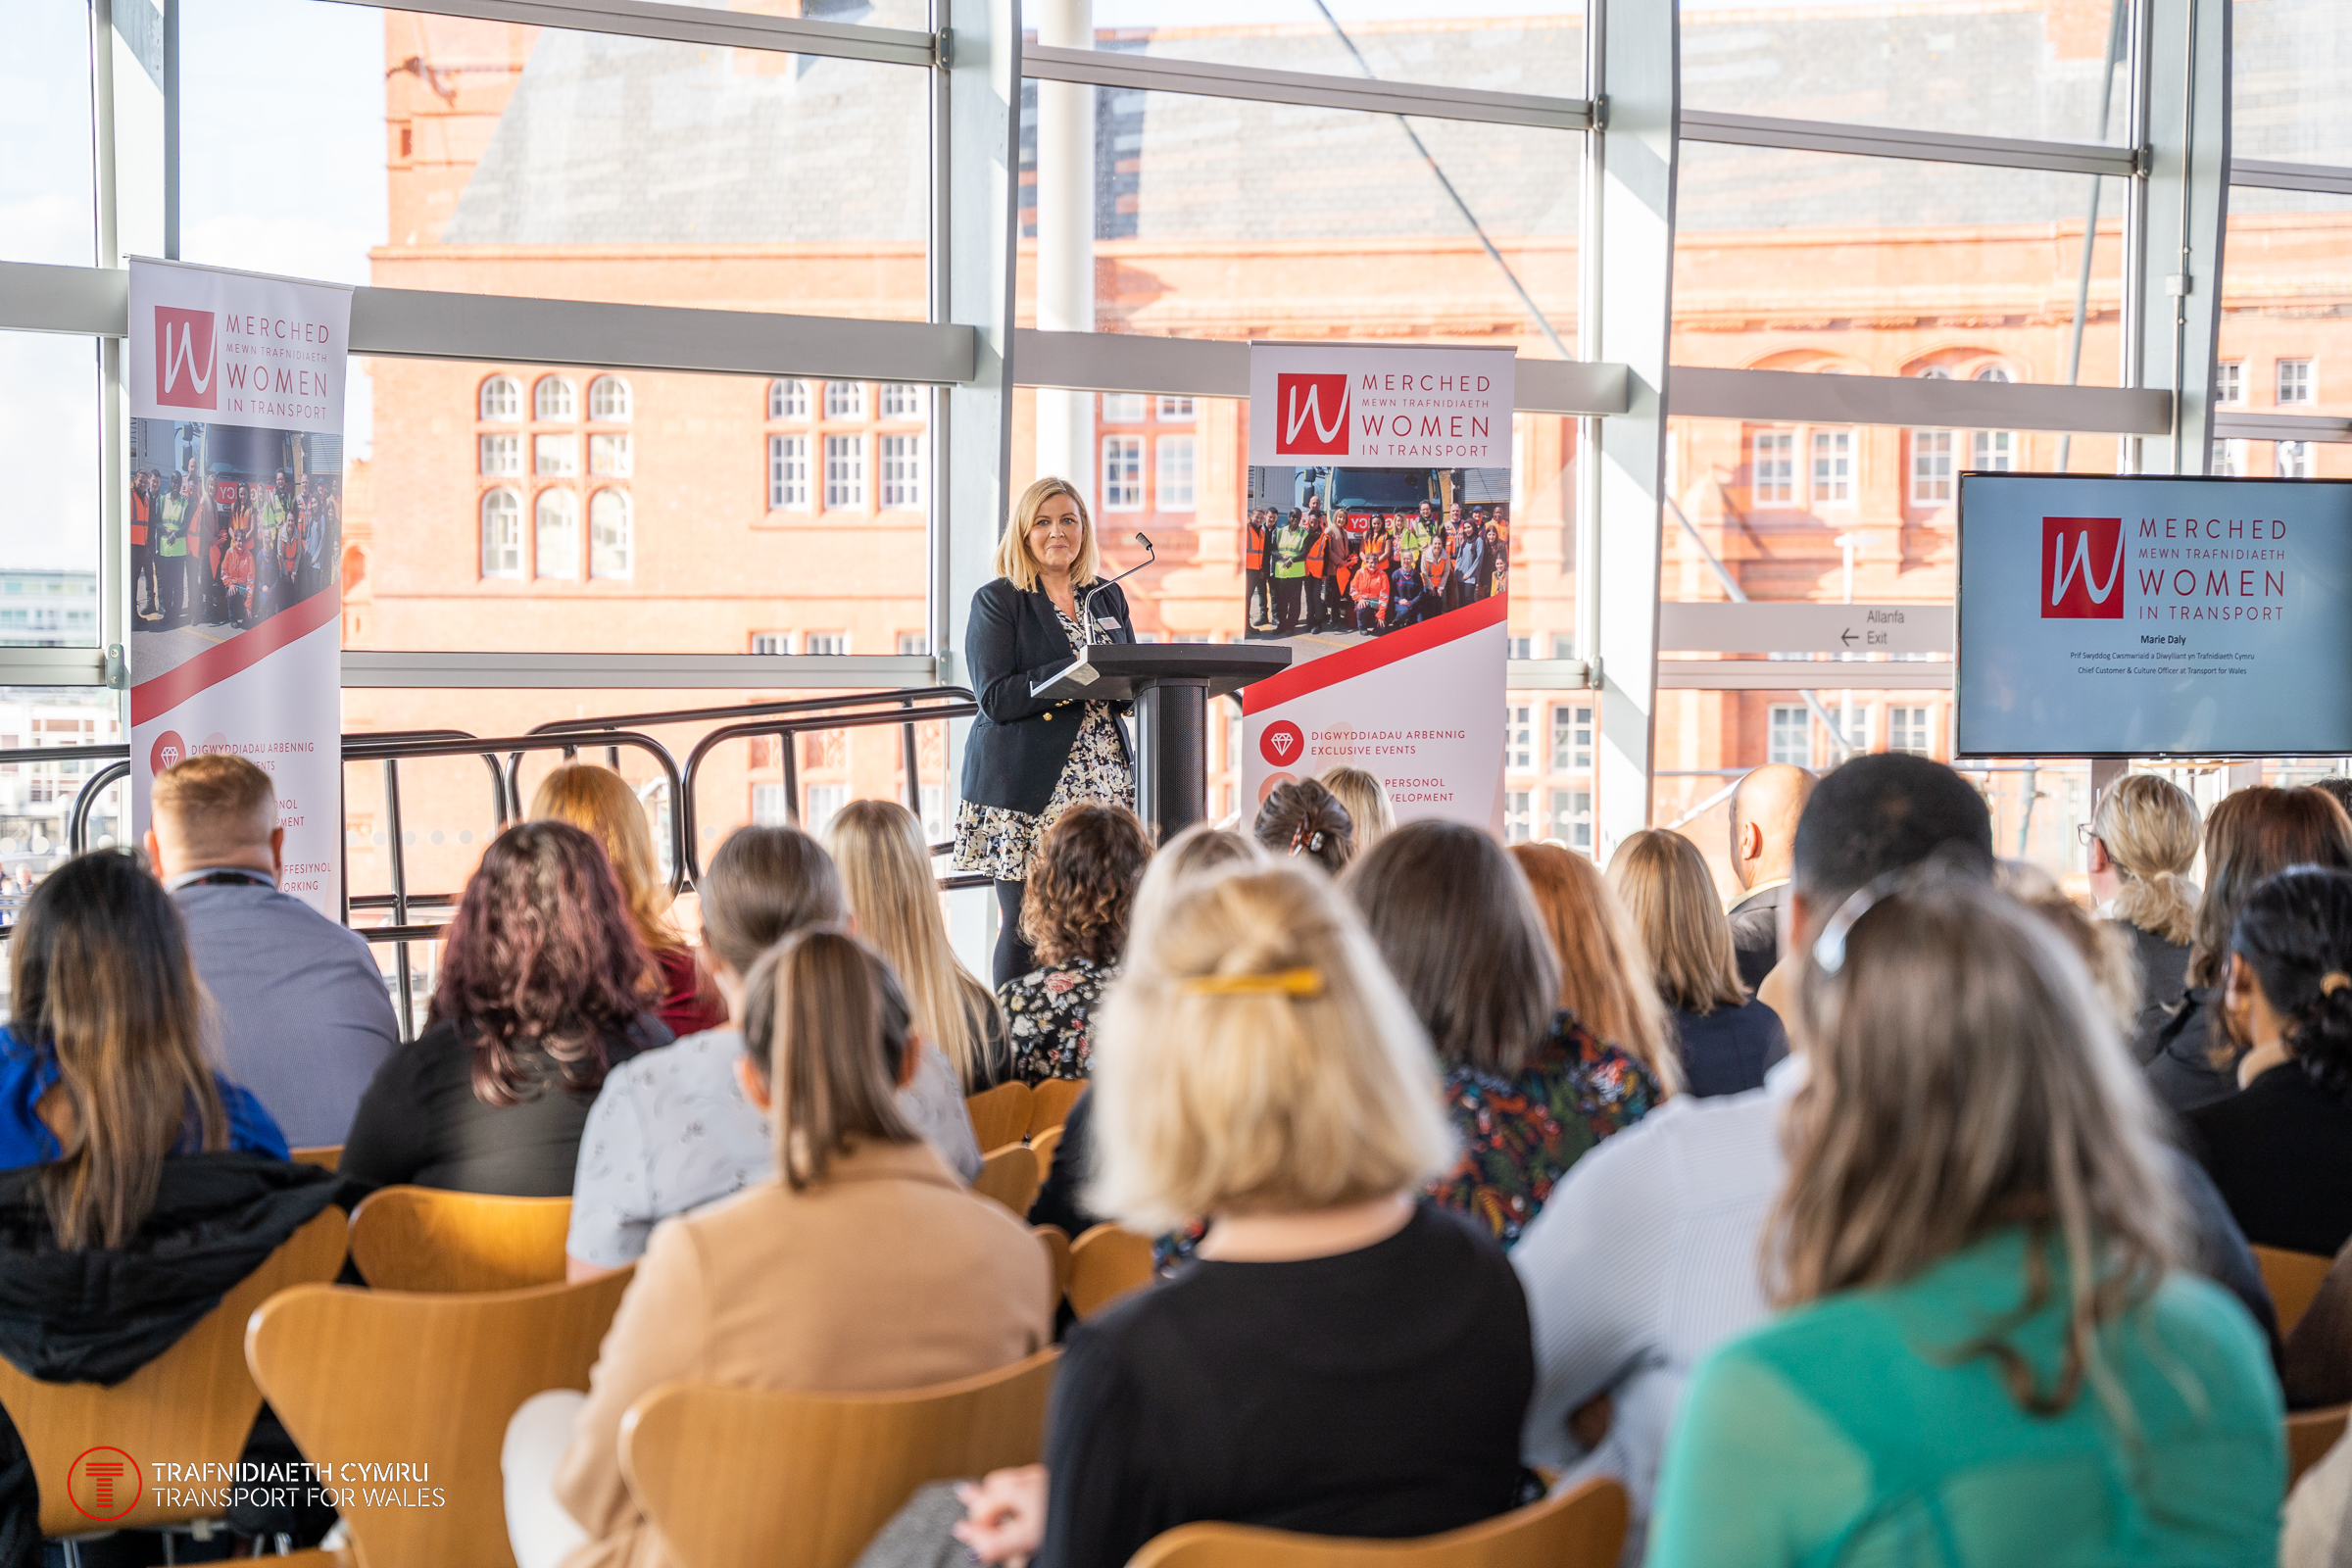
x=891 y=1275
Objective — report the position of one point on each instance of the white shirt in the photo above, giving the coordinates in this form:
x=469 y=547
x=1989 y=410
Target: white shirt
x=1645 y=1259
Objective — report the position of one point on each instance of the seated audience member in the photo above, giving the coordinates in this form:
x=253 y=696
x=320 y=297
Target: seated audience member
x=2338 y=788
x=1764 y=812
x=1990 y=1353
x=1365 y=799
x=136 y=1184
x=1304 y=819
x=1530 y=1088
x=1605 y=972
x=541 y=995
x=1346 y=1358
x=2251 y=835
x=1724 y=1038
x=1074 y=918
x=886 y=870
x=1191 y=854
x=862 y=1264
x=1615 y=1313
x=673 y=1128
x=2280 y=1150
x=2142 y=841
x=600 y=802
x=300 y=1004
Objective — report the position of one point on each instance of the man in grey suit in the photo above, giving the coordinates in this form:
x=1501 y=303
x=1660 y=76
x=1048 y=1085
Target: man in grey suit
x=1764 y=812
x=303 y=1020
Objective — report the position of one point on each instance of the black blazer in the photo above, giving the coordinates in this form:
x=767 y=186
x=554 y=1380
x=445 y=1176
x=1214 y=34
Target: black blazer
x=1018 y=745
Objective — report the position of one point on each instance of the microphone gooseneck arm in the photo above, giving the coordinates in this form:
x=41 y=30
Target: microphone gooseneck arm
x=1086 y=605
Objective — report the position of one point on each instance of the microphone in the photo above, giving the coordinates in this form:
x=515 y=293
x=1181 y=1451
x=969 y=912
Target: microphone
x=1087 y=619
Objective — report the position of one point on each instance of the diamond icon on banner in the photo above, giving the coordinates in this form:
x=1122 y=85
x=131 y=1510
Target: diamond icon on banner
x=1282 y=743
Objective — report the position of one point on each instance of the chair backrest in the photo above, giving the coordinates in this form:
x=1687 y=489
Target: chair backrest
x=2309 y=1434
x=390 y=1377
x=1106 y=1263
x=194 y=1403
x=1057 y=1247
x=326 y=1156
x=1041 y=1150
x=1050 y=1104
x=2294 y=1281
x=734 y=1476
x=1010 y=1176
x=1000 y=1115
x=423 y=1238
x=1580 y=1528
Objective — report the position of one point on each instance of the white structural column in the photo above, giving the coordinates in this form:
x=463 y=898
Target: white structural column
x=2187 y=197
x=126 y=67
x=1066 y=239
x=1632 y=50
x=976 y=180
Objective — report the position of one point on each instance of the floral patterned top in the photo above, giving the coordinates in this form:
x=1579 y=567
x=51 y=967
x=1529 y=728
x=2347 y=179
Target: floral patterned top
x=1521 y=1133
x=1049 y=1015
x=1001 y=841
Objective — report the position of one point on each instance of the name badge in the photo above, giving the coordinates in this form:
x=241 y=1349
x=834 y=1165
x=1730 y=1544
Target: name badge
x=1107 y=623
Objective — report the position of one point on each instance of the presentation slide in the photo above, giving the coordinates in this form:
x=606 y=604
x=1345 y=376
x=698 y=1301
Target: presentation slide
x=2154 y=616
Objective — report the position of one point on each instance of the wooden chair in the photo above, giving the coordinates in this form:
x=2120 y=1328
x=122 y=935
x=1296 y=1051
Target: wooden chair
x=387 y=1377
x=2310 y=1434
x=737 y=1477
x=192 y=1405
x=1041 y=1150
x=326 y=1156
x=1000 y=1115
x=1050 y=1104
x=1057 y=1245
x=2294 y=1281
x=1010 y=1176
x=1583 y=1528
x=423 y=1238
x=1106 y=1263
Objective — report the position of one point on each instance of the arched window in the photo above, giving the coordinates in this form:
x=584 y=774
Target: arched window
x=559 y=543
x=502 y=533
x=502 y=397
x=1994 y=373
x=555 y=398
x=1933 y=373
x=612 y=536
x=845 y=400
x=787 y=399
x=608 y=399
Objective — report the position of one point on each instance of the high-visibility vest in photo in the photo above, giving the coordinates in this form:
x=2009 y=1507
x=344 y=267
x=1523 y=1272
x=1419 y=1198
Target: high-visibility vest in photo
x=1289 y=550
x=1253 y=558
x=1314 y=553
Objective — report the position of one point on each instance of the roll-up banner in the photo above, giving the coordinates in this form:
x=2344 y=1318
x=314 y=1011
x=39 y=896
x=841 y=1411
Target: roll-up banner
x=1378 y=547
x=236 y=461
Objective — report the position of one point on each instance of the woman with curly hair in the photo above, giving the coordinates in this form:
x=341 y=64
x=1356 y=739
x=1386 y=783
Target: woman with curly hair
x=542 y=981
x=1074 y=918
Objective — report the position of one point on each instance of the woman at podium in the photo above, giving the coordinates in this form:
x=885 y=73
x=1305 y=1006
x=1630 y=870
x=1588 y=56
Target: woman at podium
x=1027 y=762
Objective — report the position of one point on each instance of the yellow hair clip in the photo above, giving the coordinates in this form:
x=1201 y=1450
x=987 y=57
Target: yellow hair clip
x=1281 y=983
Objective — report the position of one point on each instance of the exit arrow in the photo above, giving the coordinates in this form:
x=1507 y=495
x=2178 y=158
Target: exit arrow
x=1847 y=637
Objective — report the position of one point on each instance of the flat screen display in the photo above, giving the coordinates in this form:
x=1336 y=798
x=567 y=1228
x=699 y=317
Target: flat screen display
x=2154 y=616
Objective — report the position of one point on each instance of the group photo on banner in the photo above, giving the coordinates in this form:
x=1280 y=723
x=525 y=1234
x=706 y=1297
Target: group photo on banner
x=1377 y=548
x=236 y=513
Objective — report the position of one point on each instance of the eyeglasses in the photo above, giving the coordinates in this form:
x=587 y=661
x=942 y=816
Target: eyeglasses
x=2085 y=835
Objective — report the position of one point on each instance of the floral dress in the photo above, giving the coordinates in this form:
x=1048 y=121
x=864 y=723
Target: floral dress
x=1048 y=1016
x=1520 y=1133
x=1001 y=841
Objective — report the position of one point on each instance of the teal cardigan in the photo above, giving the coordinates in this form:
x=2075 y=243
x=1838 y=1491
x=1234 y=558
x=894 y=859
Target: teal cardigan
x=1845 y=1431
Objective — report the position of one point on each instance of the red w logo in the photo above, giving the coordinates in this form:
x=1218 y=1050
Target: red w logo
x=183 y=358
x=1312 y=415
x=2073 y=551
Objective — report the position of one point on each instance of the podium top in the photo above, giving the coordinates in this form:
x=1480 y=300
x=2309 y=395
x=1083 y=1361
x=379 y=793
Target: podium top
x=1115 y=671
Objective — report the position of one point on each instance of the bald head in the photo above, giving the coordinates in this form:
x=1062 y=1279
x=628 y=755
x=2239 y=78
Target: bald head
x=1765 y=808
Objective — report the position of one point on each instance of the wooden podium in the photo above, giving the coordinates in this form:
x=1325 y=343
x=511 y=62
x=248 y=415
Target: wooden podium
x=1170 y=685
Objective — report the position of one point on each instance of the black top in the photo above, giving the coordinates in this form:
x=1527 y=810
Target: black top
x=2163 y=981
x=1757 y=934
x=1018 y=745
x=1378 y=1392
x=2179 y=1055
x=2282 y=1154
x=1060 y=1200
x=421 y=1122
x=1727 y=1051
